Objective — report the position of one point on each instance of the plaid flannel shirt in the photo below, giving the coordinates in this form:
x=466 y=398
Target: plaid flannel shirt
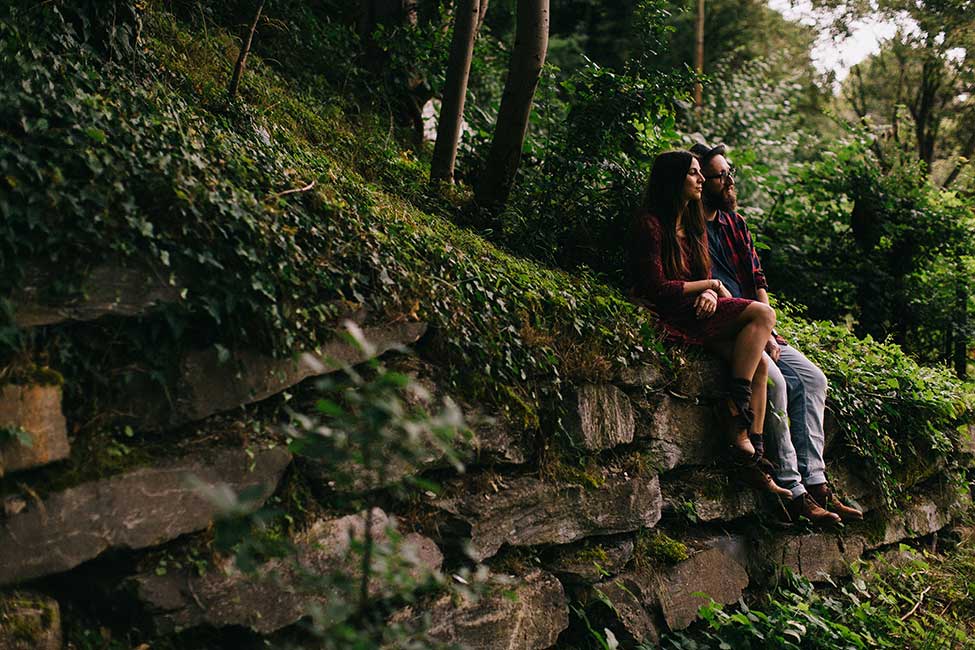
x=744 y=257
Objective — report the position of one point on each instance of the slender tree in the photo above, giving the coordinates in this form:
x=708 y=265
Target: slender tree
x=527 y=59
x=245 y=49
x=699 y=53
x=466 y=22
x=960 y=327
x=481 y=12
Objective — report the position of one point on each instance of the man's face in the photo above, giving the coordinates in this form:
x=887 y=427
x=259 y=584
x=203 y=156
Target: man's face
x=719 y=185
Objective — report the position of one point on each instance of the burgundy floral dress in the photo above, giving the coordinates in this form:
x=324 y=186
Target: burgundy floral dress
x=665 y=296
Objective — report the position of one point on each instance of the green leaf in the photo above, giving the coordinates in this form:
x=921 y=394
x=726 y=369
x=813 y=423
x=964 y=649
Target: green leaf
x=96 y=134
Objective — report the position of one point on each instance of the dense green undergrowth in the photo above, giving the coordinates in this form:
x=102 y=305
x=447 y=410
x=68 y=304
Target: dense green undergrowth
x=143 y=160
x=196 y=190
x=905 y=599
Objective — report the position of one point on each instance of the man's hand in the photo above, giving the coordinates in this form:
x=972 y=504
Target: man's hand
x=773 y=350
x=705 y=303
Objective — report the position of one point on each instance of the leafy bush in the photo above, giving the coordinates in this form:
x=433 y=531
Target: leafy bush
x=852 y=242
x=761 y=117
x=357 y=429
x=592 y=139
x=883 y=607
x=197 y=193
x=890 y=411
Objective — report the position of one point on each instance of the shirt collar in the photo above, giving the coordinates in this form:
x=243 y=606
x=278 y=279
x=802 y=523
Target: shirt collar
x=723 y=218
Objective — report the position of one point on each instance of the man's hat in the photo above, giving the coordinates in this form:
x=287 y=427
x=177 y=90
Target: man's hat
x=705 y=153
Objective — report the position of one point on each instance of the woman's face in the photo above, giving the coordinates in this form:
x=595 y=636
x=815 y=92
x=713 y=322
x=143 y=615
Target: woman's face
x=693 y=182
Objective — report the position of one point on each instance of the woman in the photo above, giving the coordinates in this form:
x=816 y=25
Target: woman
x=672 y=271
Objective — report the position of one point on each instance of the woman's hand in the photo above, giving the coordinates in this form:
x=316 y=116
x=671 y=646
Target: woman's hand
x=720 y=289
x=705 y=303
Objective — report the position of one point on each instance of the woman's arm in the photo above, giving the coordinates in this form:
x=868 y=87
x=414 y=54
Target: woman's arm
x=647 y=253
x=697 y=286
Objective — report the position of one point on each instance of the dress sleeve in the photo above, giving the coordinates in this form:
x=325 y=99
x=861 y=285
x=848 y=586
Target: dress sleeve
x=647 y=253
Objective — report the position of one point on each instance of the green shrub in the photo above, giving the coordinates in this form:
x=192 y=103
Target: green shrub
x=196 y=193
x=917 y=601
x=890 y=411
x=592 y=138
x=883 y=250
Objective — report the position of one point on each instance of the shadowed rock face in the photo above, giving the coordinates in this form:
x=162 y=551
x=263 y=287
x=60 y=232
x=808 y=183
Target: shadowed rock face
x=208 y=385
x=632 y=606
x=704 y=376
x=29 y=622
x=850 y=485
x=138 y=509
x=710 y=495
x=922 y=515
x=815 y=556
x=718 y=569
x=603 y=417
x=275 y=597
x=106 y=290
x=495 y=440
x=641 y=376
x=530 y=617
x=528 y=511
x=680 y=431
x=36 y=410
x=590 y=563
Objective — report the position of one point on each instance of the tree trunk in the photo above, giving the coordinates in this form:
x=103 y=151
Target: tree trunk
x=960 y=334
x=245 y=49
x=966 y=153
x=924 y=109
x=481 y=13
x=466 y=21
x=699 y=55
x=527 y=59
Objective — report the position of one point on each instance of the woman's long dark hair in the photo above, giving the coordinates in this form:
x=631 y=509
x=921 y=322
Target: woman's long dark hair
x=663 y=198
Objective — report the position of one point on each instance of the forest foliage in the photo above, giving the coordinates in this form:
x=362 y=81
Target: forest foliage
x=205 y=198
x=308 y=192
x=202 y=196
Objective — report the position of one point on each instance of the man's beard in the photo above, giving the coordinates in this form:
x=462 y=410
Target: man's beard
x=726 y=199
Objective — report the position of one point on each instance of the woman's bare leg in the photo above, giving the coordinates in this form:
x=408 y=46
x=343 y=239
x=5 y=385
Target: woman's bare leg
x=743 y=350
x=756 y=321
x=745 y=355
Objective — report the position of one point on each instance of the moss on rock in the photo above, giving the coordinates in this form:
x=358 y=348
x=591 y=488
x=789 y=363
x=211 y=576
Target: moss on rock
x=657 y=547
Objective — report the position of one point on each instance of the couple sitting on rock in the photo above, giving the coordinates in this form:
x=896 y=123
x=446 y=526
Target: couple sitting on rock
x=693 y=260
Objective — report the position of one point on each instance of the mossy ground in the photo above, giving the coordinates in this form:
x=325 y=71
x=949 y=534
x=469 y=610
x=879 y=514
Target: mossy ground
x=27 y=619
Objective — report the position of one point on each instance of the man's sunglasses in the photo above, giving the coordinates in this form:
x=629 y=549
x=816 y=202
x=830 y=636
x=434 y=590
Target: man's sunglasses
x=724 y=175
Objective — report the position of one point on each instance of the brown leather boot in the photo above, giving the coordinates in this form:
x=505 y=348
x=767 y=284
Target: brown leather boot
x=755 y=478
x=824 y=496
x=804 y=506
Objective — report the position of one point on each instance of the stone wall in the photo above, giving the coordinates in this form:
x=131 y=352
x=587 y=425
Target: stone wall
x=632 y=537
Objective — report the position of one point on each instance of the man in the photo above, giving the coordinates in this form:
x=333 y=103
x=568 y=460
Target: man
x=797 y=391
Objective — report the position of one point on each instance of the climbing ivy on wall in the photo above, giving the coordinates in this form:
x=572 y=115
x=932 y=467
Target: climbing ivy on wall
x=145 y=162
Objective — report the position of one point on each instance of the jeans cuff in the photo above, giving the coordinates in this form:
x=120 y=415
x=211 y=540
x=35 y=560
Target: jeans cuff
x=798 y=490
x=816 y=478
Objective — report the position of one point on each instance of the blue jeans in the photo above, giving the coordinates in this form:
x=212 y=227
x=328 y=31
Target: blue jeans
x=794 y=420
